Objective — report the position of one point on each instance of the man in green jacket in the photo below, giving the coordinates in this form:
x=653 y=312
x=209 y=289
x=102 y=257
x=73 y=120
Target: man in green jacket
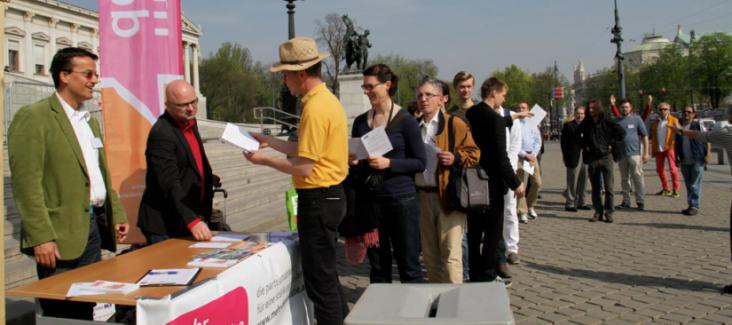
x=60 y=178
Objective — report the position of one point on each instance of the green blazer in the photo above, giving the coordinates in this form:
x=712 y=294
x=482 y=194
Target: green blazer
x=51 y=183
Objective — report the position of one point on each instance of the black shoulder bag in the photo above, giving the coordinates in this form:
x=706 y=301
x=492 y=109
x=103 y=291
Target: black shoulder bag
x=467 y=187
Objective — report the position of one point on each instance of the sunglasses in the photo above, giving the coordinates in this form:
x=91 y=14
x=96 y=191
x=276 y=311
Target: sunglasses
x=663 y=109
x=688 y=112
x=370 y=87
x=88 y=74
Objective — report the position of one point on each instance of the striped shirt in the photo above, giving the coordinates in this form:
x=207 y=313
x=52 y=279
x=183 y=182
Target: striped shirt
x=721 y=137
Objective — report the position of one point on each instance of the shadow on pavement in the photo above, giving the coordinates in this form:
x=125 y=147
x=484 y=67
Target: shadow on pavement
x=625 y=278
x=676 y=226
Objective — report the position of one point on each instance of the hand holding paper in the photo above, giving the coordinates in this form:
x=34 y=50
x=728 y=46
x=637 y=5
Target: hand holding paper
x=372 y=144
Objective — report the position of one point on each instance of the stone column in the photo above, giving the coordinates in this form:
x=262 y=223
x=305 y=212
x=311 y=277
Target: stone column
x=196 y=82
x=74 y=36
x=2 y=190
x=187 y=61
x=95 y=40
x=52 y=44
x=27 y=59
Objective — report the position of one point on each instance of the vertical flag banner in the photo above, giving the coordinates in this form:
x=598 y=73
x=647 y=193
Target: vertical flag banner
x=140 y=52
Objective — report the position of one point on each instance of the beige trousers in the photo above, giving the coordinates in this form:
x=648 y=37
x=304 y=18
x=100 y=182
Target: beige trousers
x=527 y=201
x=442 y=238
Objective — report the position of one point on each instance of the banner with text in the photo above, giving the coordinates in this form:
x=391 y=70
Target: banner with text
x=264 y=289
x=140 y=52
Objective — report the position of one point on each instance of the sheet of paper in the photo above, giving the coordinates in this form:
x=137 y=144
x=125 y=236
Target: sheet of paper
x=170 y=277
x=355 y=147
x=431 y=150
x=239 y=137
x=539 y=114
x=376 y=142
x=528 y=167
x=224 y=236
x=210 y=244
x=79 y=289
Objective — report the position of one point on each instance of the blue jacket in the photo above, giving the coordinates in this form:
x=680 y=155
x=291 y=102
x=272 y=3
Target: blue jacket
x=698 y=148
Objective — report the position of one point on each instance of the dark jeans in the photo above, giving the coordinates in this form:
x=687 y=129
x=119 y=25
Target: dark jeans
x=398 y=229
x=601 y=176
x=92 y=253
x=485 y=227
x=319 y=211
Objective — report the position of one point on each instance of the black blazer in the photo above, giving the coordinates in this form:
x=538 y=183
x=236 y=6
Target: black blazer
x=489 y=133
x=571 y=149
x=172 y=197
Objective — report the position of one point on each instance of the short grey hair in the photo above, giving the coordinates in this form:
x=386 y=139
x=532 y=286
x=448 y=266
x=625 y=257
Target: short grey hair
x=435 y=83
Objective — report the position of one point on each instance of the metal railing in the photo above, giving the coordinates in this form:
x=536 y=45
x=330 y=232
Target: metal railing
x=271 y=115
x=19 y=93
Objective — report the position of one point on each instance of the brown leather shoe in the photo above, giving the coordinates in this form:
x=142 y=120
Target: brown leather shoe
x=596 y=217
x=503 y=272
x=608 y=217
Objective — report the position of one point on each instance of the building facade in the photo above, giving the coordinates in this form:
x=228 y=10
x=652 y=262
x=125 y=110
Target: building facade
x=651 y=47
x=36 y=29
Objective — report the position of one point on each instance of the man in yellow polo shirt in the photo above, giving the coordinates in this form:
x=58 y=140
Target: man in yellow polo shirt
x=318 y=164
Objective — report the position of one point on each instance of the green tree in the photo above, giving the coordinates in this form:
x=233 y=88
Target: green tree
x=410 y=72
x=519 y=83
x=233 y=84
x=713 y=66
x=667 y=79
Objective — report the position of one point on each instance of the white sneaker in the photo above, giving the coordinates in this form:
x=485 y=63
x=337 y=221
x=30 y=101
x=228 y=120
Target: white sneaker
x=523 y=218
x=532 y=213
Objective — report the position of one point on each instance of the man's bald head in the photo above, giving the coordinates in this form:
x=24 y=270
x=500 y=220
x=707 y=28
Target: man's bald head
x=181 y=102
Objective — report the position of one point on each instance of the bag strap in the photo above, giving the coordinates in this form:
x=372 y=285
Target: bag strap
x=450 y=134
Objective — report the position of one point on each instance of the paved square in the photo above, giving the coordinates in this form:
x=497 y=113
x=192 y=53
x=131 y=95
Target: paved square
x=654 y=266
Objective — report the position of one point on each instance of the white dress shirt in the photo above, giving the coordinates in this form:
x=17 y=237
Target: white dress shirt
x=661 y=132
x=429 y=132
x=90 y=146
x=513 y=141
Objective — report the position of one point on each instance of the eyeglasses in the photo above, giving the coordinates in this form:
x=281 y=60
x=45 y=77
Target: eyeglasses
x=427 y=95
x=688 y=112
x=193 y=103
x=370 y=87
x=88 y=74
x=663 y=109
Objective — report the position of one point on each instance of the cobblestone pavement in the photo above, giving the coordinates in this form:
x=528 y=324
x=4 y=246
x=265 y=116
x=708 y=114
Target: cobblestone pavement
x=655 y=266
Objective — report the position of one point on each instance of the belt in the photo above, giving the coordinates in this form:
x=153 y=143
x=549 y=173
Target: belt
x=318 y=189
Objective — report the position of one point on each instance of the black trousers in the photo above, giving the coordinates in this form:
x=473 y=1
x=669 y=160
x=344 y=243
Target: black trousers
x=601 y=177
x=319 y=211
x=485 y=227
x=92 y=253
x=399 y=237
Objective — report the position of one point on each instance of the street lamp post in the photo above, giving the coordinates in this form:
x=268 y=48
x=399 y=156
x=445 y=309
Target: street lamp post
x=691 y=69
x=289 y=102
x=618 y=40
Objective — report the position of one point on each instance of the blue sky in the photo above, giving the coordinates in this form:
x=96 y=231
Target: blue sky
x=480 y=36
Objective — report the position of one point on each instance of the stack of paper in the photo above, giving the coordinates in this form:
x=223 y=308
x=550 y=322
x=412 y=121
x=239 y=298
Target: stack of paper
x=225 y=236
x=100 y=287
x=219 y=258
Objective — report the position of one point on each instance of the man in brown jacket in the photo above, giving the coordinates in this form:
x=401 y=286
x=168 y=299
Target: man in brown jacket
x=441 y=229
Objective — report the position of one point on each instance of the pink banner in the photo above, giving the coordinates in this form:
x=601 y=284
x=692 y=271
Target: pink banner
x=140 y=52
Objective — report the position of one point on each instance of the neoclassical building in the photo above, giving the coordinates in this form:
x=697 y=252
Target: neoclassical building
x=36 y=29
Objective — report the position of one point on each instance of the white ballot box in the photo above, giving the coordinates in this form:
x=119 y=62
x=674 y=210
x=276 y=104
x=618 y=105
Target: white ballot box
x=484 y=303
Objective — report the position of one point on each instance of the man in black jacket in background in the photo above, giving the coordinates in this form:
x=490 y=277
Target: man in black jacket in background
x=576 y=169
x=489 y=133
x=596 y=136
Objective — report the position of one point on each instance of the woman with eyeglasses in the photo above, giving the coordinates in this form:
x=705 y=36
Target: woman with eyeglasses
x=385 y=184
x=691 y=155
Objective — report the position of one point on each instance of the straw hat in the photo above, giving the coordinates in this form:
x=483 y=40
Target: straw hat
x=298 y=54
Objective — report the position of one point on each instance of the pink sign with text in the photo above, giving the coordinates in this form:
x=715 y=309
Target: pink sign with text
x=231 y=308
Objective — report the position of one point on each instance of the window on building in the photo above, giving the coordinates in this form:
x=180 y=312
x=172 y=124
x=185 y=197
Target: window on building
x=13 y=63
x=39 y=59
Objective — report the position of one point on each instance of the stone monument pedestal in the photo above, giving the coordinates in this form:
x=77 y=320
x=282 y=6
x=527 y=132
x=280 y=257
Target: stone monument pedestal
x=351 y=95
